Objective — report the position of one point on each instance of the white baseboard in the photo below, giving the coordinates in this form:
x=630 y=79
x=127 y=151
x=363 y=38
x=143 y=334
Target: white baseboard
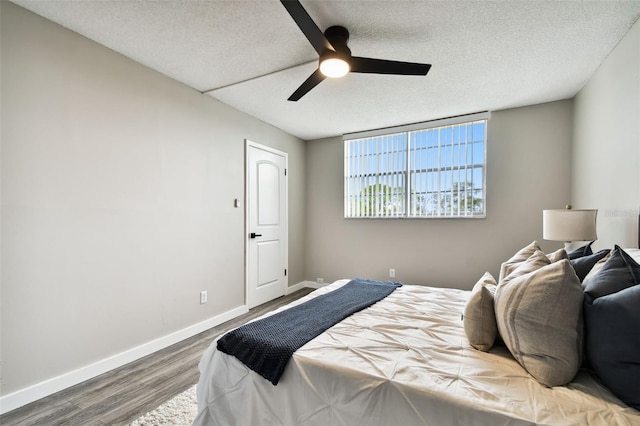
x=296 y=287
x=48 y=387
x=314 y=284
x=303 y=284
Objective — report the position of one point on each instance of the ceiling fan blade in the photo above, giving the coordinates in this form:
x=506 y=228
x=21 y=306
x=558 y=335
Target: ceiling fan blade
x=383 y=66
x=307 y=26
x=311 y=82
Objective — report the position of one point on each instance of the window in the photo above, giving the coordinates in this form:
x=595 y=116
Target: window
x=433 y=169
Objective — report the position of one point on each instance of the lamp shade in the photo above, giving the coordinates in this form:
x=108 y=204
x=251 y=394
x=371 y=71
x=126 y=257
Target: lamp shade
x=569 y=225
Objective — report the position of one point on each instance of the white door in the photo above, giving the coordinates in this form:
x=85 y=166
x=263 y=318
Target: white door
x=266 y=213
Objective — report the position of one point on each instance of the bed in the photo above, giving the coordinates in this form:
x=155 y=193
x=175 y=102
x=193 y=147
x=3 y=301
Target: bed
x=405 y=360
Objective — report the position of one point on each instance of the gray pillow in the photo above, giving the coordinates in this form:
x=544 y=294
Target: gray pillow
x=595 y=269
x=539 y=317
x=582 y=265
x=522 y=255
x=585 y=250
x=479 y=318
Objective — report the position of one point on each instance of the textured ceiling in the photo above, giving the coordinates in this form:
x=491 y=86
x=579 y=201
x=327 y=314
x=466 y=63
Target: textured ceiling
x=486 y=55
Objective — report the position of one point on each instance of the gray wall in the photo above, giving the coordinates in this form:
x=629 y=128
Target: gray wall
x=528 y=170
x=117 y=202
x=606 y=154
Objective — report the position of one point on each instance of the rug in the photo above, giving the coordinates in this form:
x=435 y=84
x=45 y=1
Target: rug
x=181 y=410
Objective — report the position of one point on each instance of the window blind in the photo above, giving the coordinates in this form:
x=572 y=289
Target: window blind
x=433 y=169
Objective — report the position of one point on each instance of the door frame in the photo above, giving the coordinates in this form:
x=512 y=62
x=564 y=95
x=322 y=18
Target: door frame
x=247 y=206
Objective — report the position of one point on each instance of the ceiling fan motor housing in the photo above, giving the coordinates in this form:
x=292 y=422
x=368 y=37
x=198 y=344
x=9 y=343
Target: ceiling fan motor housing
x=338 y=37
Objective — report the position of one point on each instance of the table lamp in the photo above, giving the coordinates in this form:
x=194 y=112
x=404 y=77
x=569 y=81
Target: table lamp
x=569 y=225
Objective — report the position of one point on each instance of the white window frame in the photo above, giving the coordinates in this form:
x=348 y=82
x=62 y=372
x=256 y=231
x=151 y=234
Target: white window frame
x=388 y=137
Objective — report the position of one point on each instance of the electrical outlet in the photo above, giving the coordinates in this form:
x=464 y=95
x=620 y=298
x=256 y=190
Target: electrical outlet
x=203 y=297
x=320 y=280
x=392 y=273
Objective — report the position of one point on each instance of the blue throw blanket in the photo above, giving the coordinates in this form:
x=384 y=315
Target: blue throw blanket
x=266 y=345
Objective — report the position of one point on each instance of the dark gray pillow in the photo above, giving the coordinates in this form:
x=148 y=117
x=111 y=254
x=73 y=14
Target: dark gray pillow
x=585 y=250
x=612 y=326
x=582 y=265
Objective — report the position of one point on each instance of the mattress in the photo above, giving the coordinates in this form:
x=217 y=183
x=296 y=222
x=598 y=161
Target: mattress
x=403 y=361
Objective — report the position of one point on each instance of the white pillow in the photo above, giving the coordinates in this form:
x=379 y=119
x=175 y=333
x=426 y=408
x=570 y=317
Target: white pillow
x=522 y=255
x=536 y=261
x=557 y=255
x=539 y=316
x=634 y=253
x=479 y=318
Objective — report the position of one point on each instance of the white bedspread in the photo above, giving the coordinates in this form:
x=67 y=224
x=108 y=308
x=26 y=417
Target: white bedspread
x=403 y=361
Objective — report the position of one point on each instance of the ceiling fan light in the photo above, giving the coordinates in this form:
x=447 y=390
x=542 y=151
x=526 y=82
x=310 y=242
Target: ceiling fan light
x=334 y=67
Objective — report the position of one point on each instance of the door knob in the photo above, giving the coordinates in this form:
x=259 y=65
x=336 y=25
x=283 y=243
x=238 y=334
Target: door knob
x=253 y=235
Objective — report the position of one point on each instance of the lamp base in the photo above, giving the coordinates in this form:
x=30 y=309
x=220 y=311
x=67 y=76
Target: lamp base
x=570 y=246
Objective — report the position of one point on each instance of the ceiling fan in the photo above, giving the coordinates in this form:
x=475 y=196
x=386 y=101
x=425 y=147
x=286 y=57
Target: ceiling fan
x=335 y=57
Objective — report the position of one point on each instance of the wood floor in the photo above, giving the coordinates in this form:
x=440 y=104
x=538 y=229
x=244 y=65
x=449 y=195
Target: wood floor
x=122 y=395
